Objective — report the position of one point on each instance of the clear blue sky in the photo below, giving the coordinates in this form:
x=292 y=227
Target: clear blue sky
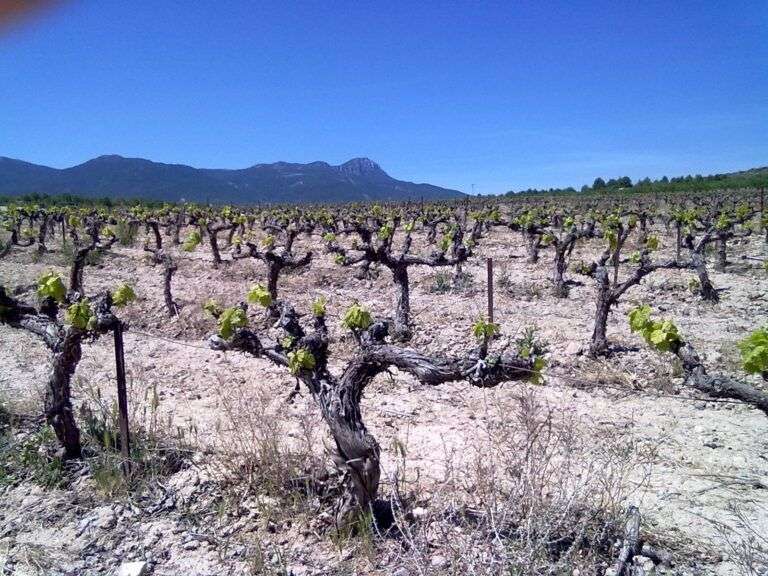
x=502 y=95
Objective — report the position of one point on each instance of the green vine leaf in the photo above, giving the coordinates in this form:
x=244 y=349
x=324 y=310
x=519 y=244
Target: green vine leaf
x=385 y=232
x=537 y=374
x=123 y=295
x=50 y=285
x=754 y=352
x=213 y=308
x=230 y=320
x=484 y=330
x=79 y=314
x=268 y=242
x=192 y=241
x=357 y=318
x=652 y=242
x=301 y=359
x=318 y=307
x=663 y=336
x=258 y=294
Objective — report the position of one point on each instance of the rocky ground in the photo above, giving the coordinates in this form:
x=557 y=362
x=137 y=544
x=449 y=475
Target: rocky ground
x=697 y=469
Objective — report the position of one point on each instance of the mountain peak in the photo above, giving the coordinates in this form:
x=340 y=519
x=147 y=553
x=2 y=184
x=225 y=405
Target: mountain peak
x=107 y=158
x=361 y=167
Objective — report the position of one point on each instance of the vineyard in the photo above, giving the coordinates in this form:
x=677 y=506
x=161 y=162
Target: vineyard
x=570 y=384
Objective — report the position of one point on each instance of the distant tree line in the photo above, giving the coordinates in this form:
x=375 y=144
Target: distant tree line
x=755 y=178
x=74 y=200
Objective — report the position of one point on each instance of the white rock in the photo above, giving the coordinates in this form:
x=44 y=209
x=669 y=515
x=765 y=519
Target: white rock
x=105 y=518
x=419 y=512
x=573 y=348
x=645 y=564
x=30 y=500
x=153 y=535
x=439 y=561
x=132 y=569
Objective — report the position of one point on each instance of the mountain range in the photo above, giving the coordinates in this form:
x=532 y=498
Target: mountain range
x=357 y=180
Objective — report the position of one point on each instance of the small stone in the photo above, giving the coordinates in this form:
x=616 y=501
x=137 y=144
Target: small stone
x=714 y=357
x=573 y=349
x=645 y=564
x=153 y=535
x=105 y=518
x=439 y=561
x=132 y=569
x=30 y=500
x=191 y=545
x=419 y=512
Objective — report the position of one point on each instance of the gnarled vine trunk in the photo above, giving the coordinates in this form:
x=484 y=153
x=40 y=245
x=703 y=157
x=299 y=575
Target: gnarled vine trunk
x=402 y=330
x=42 y=234
x=66 y=345
x=58 y=401
x=532 y=245
x=717 y=386
x=559 y=265
x=599 y=343
x=722 y=253
x=706 y=289
x=155 y=227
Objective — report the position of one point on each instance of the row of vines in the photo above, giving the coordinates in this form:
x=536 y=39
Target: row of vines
x=696 y=233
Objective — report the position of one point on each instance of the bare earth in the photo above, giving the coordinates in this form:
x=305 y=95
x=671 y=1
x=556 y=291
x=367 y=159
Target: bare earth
x=705 y=461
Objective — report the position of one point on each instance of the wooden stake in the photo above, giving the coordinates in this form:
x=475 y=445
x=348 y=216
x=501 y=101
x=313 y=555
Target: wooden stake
x=122 y=398
x=489 y=264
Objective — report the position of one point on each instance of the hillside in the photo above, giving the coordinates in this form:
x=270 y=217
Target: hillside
x=740 y=180
x=359 y=179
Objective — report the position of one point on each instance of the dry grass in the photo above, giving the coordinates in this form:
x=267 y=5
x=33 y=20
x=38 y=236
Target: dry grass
x=532 y=493
x=256 y=452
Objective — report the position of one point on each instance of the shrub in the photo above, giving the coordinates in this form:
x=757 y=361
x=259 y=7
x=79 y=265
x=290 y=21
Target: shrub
x=30 y=456
x=533 y=494
x=441 y=283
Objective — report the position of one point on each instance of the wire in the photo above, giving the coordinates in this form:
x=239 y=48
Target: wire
x=580 y=382
x=164 y=339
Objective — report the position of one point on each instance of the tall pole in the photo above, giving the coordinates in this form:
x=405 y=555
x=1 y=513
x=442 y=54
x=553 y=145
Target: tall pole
x=122 y=398
x=489 y=268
